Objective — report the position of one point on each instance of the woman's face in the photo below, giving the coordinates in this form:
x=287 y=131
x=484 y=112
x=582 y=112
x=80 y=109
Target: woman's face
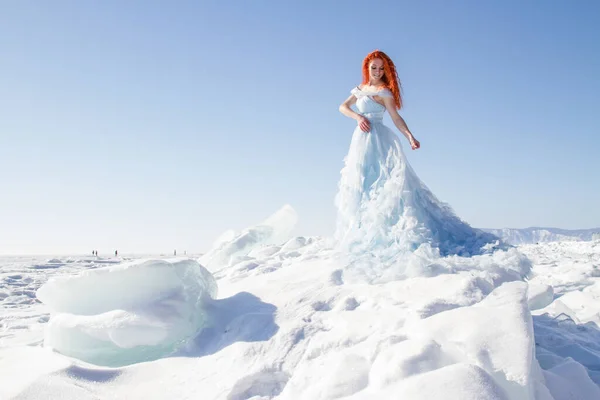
x=376 y=70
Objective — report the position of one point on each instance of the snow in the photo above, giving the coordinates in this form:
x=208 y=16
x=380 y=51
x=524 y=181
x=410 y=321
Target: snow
x=540 y=296
x=293 y=327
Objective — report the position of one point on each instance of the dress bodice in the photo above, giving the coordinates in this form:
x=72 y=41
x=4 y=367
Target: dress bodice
x=367 y=106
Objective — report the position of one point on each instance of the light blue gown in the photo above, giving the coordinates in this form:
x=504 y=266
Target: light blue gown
x=383 y=207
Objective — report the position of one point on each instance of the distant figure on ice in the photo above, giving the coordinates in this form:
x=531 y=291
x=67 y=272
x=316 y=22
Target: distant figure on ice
x=174 y=252
x=381 y=202
x=116 y=253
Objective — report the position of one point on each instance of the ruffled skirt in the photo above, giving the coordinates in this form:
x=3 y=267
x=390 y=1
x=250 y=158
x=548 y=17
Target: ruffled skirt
x=384 y=207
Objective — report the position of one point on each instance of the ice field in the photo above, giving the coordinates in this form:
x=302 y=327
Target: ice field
x=292 y=320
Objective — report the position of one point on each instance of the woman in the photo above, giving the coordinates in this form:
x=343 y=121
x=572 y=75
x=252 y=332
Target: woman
x=381 y=83
x=383 y=207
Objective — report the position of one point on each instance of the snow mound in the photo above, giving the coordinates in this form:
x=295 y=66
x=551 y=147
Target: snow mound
x=457 y=381
x=483 y=351
x=231 y=245
x=539 y=296
x=49 y=264
x=503 y=265
x=495 y=334
x=569 y=380
x=568 y=330
x=127 y=313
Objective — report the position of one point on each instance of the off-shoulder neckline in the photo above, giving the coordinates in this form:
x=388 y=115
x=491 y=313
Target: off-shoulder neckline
x=372 y=91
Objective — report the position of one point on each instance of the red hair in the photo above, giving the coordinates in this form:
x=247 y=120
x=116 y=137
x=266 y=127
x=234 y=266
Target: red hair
x=390 y=76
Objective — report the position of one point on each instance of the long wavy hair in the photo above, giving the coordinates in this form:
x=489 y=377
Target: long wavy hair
x=390 y=76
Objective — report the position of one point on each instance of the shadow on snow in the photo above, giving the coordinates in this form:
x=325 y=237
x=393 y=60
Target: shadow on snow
x=239 y=318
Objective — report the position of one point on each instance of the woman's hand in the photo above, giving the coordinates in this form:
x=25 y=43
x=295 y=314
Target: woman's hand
x=364 y=124
x=414 y=143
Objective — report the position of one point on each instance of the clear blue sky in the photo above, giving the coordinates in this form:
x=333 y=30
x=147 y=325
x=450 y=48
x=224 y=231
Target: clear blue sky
x=152 y=125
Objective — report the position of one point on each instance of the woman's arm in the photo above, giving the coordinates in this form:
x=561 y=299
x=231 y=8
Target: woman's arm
x=399 y=122
x=347 y=111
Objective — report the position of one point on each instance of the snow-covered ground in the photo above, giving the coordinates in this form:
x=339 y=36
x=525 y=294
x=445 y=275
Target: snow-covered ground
x=294 y=321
